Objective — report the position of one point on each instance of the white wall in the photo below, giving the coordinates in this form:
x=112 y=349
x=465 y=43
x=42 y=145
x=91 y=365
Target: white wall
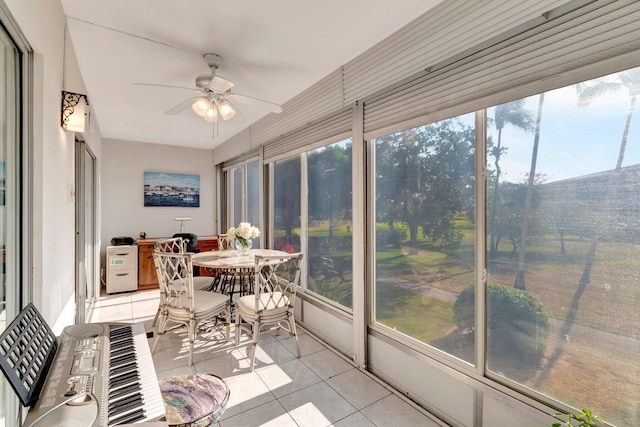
x=123 y=212
x=53 y=243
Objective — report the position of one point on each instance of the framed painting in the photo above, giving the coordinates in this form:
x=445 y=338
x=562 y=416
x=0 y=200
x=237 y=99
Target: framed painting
x=171 y=189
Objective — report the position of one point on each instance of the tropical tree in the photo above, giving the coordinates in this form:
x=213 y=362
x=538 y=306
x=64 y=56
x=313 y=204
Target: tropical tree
x=287 y=198
x=515 y=114
x=628 y=81
x=423 y=177
x=329 y=183
x=511 y=213
x=519 y=283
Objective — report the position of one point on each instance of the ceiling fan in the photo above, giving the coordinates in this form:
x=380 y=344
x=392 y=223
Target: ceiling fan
x=215 y=99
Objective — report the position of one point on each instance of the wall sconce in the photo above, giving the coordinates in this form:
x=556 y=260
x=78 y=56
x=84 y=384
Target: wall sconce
x=73 y=111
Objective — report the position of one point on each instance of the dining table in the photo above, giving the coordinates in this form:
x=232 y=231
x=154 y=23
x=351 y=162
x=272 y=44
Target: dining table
x=233 y=272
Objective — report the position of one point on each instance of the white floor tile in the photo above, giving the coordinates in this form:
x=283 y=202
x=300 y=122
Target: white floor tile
x=288 y=377
x=113 y=299
x=170 y=358
x=225 y=365
x=116 y=313
x=393 y=411
x=247 y=392
x=267 y=353
x=358 y=388
x=271 y=414
x=317 y=405
x=307 y=344
x=145 y=308
x=326 y=363
x=181 y=370
x=319 y=389
x=354 y=420
x=151 y=294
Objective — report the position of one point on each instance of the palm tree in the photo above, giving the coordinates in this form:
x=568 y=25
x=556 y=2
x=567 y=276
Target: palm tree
x=514 y=114
x=628 y=80
x=527 y=203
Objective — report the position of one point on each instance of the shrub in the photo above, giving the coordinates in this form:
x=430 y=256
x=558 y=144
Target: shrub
x=517 y=323
x=389 y=237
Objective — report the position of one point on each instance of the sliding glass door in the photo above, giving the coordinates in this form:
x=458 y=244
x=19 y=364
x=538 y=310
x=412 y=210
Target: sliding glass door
x=13 y=198
x=87 y=288
x=243 y=185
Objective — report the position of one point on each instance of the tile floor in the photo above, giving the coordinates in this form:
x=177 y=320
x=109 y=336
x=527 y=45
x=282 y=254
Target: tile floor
x=319 y=389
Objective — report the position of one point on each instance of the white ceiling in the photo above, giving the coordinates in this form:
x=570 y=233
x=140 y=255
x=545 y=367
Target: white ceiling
x=272 y=50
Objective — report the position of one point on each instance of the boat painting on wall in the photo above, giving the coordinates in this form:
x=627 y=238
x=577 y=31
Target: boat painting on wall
x=171 y=189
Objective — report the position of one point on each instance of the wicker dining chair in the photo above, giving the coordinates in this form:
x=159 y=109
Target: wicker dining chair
x=181 y=303
x=273 y=302
x=180 y=245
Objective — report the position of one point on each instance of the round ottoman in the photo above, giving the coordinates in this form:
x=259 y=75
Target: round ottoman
x=194 y=400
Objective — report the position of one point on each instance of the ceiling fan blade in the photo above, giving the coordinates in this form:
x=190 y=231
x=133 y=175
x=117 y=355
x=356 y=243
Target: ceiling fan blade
x=169 y=86
x=220 y=84
x=182 y=106
x=235 y=107
x=246 y=99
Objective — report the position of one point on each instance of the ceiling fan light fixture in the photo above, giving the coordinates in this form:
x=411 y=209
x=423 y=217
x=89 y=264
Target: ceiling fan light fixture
x=226 y=110
x=201 y=106
x=211 y=115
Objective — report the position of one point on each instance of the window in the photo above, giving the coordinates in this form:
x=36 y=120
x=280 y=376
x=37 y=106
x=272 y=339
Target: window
x=286 y=205
x=243 y=188
x=424 y=233
x=238 y=191
x=329 y=228
x=253 y=193
x=563 y=244
x=11 y=141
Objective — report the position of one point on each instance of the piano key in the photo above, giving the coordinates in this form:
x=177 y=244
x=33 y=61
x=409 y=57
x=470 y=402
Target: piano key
x=146 y=378
x=122 y=343
x=115 y=361
x=123 y=368
x=125 y=378
x=123 y=405
x=132 y=417
x=130 y=388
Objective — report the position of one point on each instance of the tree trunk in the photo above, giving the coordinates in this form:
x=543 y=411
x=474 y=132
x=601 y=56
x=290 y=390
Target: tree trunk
x=519 y=284
x=413 y=239
x=625 y=133
x=493 y=245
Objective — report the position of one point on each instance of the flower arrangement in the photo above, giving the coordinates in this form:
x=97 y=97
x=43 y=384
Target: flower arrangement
x=243 y=234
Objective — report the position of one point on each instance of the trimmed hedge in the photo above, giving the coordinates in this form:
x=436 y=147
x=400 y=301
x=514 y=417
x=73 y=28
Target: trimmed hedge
x=386 y=237
x=517 y=323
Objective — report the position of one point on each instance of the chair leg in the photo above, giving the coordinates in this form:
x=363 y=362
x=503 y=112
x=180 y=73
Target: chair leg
x=294 y=334
x=254 y=344
x=227 y=310
x=192 y=334
x=161 y=328
x=238 y=331
x=155 y=319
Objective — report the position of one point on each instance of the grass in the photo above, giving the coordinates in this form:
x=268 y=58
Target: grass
x=399 y=309
x=583 y=369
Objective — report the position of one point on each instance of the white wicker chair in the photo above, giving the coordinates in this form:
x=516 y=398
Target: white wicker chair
x=179 y=245
x=181 y=304
x=272 y=304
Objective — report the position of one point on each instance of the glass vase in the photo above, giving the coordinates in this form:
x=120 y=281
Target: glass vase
x=243 y=250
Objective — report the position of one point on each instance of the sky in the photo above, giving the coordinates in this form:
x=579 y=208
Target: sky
x=574 y=141
x=176 y=179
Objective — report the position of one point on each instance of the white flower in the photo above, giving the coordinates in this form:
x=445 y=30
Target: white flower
x=243 y=232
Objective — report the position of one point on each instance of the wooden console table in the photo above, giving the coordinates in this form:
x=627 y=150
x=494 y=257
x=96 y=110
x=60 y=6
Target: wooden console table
x=147 y=278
